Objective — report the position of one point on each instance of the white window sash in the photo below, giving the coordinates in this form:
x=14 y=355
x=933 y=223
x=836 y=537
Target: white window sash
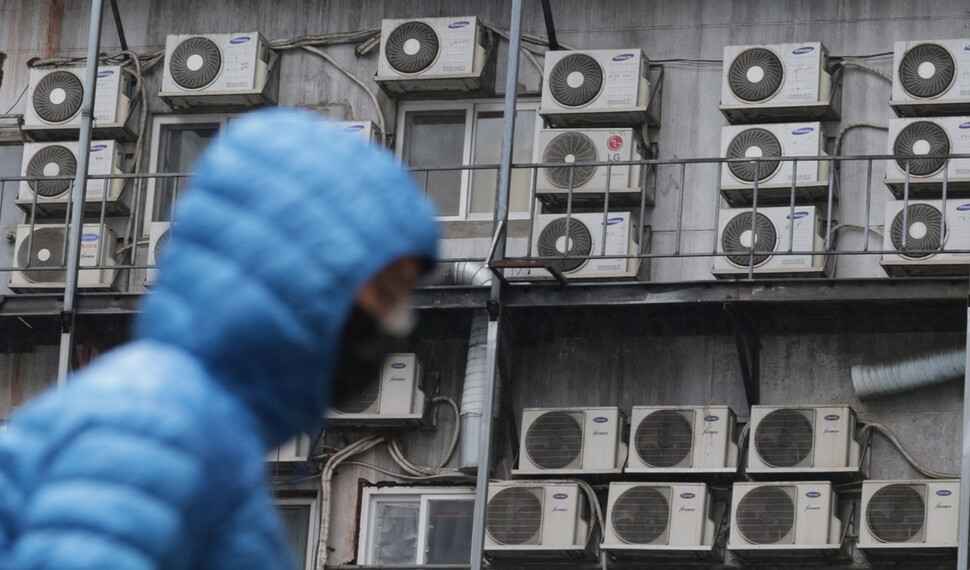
x=314 y=526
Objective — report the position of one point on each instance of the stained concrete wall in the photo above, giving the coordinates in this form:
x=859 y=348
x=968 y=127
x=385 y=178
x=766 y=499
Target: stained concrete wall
x=569 y=369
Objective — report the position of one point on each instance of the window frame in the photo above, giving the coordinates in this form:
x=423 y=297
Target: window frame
x=311 y=545
x=472 y=108
x=373 y=496
x=159 y=122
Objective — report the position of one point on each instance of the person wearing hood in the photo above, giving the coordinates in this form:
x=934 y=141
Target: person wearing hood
x=285 y=282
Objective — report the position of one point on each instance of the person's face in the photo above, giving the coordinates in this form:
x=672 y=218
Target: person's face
x=389 y=290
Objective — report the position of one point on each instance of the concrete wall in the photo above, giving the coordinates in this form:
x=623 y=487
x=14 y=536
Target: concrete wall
x=615 y=367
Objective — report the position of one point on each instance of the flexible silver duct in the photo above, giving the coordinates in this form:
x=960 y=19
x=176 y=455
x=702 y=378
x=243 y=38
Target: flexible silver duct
x=887 y=379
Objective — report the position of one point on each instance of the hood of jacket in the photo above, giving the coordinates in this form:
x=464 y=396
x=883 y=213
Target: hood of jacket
x=285 y=220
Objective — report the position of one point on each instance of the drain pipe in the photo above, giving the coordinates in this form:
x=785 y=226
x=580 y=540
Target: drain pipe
x=887 y=379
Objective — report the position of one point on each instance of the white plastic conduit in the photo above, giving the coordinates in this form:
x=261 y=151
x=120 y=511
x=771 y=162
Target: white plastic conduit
x=886 y=379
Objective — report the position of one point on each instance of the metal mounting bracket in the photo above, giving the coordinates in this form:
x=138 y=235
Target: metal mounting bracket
x=749 y=352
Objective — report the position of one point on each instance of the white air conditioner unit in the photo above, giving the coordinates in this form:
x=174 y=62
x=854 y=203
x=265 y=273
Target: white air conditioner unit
x=682 y=439
x=922 y=228
x=39 y=253
x=777 y=82
x=297 y=450
x=586 y=239
x=785 y=520
x=909 y=518
x=803 y=440
x=596 y=88
x=395 y=401
x=434 y=54
x=914 y=139
x=158 y=234
x=659 y=520
x=559 y=441
x=231 y=70
x=771 y=230
x=60 y=159
x=774 y=177
x=931 y=77
x=547 y=520
x=565 y=147
x=54 y=96
x=367 y=131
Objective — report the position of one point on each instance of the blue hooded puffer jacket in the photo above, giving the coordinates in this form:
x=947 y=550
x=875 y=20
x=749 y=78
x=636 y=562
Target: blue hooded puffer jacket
x=152 y=457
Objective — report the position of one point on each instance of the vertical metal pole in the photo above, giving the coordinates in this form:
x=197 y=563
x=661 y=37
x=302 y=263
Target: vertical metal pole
x=963 y=528
x=491 y=351
x=80 y=182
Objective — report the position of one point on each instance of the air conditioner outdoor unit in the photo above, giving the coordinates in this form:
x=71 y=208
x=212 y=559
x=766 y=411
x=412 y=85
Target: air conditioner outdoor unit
x=434 y=54
x=909 y=518
x=231 y=70
x=158 y=234
x=785 y=520
x=545 y=520
x=772 y=226
x=45 y=247
x=659 y=520
x=923 y=226
x=931 y=78
x=395 y=401
x=679 y=439
x=774 y=177
x=60 y=159
x=596 y=88
x=803 y=440
x=54 y=97
x=367 y=131
x=586 y=239
x=297 y=450
x=565 y=147
x=559 y=441
x=778 y=82
x=920 y=141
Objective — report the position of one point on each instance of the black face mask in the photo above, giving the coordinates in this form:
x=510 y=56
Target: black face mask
x=363 y=347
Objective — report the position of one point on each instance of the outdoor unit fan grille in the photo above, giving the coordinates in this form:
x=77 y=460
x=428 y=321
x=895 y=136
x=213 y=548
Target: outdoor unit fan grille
x=514 y=516
x=641 y=515
x=922 y=232
x=552 y=242
x=926 y=71
x=57 y=96
x=784 y=438
x=920 y=139
x=359 y=401
x=53 y=160
x=766 y=515
x=555 y=440
x=412 y=47
x=755 y=75
x=736 y=238
x=195 y=63
x=664 y=439
x=46 y=250
x=575 y=80
x=569 y=147
x=757 y=142
x=161 y=243
x=897 y=513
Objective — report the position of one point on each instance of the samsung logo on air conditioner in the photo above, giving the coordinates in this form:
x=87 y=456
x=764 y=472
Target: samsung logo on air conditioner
x=98 y=147
x=89 y=237
x=240 y=40
x=831 y=417
x=353 y=128
x=805 y=49
x=944 y=493
x=459 y=24
x=687 y=495
x=106 y=73
x=965 y=125
x=560 y=496
x=813 y=494
x=711 y=419
x=623 y=57
x=398 y=365
x=601 y=420
x=963 y=207
x=966 y=48
x=612 y=221
x=798 y=215
x=802 y=131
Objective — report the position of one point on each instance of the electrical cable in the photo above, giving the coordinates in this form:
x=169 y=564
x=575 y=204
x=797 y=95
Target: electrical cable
x=398 y=455
x=352 y=77
x=522 y=48
x=859 y=65
x=19 y=97
x=866 y=433
x=837 y=147
x=408 y=477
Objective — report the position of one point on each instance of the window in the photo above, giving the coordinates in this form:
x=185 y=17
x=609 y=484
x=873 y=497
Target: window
x=416 y=525
x=177 y=142
x=300 y=526
x=449 y=134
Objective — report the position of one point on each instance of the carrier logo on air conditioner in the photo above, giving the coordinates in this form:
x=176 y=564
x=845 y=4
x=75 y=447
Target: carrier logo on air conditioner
x=459 y=24
x=615 y=142
x=89 y=237
x=398 y=365
x=601 y=420
x=687 y=495
x=560 y=496
x=831 y=417
x=813 y=494
x=802 y=131
x=944 y=493
x=240 y=40
x=623 y=57
x=802 y=50
x=711 y=419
